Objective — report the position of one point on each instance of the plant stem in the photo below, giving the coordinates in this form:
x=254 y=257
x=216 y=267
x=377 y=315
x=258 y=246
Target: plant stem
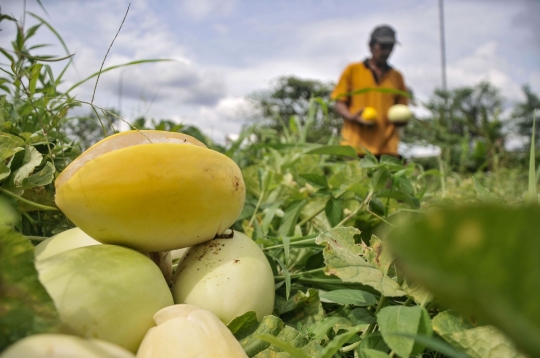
x=256 y=208
x=351 y=215
x=301 y=274
x=31 y=203
x=293 y=243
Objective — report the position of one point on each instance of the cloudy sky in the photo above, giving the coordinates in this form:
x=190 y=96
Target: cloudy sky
x=225 y=50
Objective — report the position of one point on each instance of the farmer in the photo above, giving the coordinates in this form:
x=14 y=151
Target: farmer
x=365 y=127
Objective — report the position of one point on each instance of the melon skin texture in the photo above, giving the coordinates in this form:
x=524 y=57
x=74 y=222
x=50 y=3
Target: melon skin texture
x=159 y=196
x=66 y=240
x=194 y=332
x=228 y=277
x=105 y=292
x=63 y=346
x=399 y=113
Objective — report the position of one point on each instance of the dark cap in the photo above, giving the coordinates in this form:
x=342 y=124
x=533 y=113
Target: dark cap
x=384 y=35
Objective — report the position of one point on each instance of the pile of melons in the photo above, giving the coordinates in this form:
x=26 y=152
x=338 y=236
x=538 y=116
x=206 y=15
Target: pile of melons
x=134 y=197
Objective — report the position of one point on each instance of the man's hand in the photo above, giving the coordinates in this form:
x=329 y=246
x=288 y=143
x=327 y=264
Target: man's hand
x=343 y=111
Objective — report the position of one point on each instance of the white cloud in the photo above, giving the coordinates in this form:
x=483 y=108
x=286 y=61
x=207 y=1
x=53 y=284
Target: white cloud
x=201 y=9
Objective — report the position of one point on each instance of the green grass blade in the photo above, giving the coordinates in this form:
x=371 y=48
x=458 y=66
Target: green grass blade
x=533 y=194
x=131 y=63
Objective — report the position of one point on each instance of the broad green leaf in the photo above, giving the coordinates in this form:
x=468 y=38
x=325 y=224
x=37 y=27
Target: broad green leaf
x=374 y=341
x=10 y=141
x=25 y=306
x=24 y=165
x=402 y=319
x=333 y=211
x=43 y=177
x=351 y=297
x=435 y=344
x=305 y=308
x=477 y=342
x=318 y=181
x=244 y=325
x=343 y=259
x=482 y=259
x=8 y=152
x=369 y=162
x=378 y=254
x=342 y=150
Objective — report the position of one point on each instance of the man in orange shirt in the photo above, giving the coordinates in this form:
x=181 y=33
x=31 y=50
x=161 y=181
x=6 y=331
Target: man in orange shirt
x=379 y=136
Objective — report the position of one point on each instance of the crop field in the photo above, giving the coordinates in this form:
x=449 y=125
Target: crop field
x=159 y=242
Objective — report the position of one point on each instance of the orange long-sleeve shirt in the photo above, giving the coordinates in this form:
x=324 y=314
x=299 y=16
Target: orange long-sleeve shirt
x=382 y=138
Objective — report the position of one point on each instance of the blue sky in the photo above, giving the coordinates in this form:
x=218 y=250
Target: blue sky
x=227 y=49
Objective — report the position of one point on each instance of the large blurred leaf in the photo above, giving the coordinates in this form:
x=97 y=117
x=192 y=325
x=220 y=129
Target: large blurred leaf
x=43 y=177
x=343 y=259
x=482 y=259
x=25 y=306
x=477 y=342
x=342 y=150
x=402 y=319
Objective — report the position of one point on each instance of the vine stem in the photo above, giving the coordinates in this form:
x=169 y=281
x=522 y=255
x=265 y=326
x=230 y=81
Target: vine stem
x=36 y=205
x=301 y=274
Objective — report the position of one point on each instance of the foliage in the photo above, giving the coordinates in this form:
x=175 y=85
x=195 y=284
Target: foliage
x=290 y=97
x=523 y=114
x=465 y=124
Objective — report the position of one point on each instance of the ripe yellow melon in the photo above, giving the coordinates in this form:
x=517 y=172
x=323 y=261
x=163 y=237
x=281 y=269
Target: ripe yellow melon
x=151 y=190
x=369 y=114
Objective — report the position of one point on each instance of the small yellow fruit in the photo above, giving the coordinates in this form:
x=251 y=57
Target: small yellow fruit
x=152 y=191
x=369 y=114
x=399 y=113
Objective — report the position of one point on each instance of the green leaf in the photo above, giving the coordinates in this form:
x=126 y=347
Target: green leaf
x=481 y=259
x=334 y=211
x=338 y=341
x=483 y=194
x=290 y=219
x=273 y=326
x=342 y=150
x=25 y=306
x=305 y=308
x=435 y=344
x=351 y=297
x=244 y=325
x=477 y=342
x=286 y=346
x=318 y=330
x=402 y=319
x=8 y=152
x=4 y=171
x=343 y=259
x=287 y=276
x=43 y=177
x=318 y=181
x=9 y=141
x=29 y=160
